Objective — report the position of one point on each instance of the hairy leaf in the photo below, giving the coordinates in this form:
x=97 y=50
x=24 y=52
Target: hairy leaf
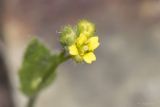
x=38 y=68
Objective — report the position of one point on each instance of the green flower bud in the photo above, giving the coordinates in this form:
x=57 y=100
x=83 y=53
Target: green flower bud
x=86 y=27
x=68 y=36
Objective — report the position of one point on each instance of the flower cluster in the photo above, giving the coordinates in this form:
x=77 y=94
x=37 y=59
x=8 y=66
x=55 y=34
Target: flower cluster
x=80 y=41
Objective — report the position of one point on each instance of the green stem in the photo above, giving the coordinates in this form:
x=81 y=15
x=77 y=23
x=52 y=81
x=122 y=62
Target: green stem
x=64 y=59
x=31 y=101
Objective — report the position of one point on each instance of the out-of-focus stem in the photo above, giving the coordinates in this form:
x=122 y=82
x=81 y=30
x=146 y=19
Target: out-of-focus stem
x=31 y=101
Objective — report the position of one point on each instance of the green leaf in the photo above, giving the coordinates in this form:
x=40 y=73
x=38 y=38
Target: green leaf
x=38 y=68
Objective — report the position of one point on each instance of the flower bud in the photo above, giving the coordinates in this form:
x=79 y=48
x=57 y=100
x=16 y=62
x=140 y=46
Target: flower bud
x=86 y=27
x=67 y=36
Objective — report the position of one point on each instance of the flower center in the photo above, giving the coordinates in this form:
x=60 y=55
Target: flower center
x=85 y=48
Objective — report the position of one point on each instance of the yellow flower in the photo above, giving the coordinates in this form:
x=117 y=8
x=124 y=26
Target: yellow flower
x=83 y=48
x=80 y=41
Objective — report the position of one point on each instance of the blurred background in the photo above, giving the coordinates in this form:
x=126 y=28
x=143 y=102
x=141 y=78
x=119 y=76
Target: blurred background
x=127 y=70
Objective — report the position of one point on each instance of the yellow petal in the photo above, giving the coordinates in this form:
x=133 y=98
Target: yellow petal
x=81 y=39
x=93 y=43
x=73 y=50
x=89 y=57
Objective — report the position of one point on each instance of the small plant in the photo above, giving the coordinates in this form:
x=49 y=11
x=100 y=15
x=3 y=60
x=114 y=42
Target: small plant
x=39 y=65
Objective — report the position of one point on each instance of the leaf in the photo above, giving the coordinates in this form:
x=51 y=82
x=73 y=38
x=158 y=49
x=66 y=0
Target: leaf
x=38 y=68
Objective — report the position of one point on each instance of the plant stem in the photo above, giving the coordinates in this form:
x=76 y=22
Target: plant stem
x=31 y=101
x=64 y=59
